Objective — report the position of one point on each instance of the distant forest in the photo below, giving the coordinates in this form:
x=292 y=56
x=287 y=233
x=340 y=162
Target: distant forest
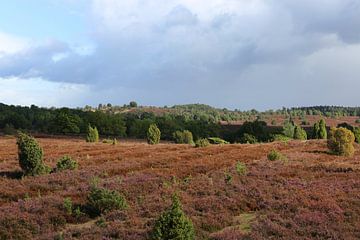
x=133 y=121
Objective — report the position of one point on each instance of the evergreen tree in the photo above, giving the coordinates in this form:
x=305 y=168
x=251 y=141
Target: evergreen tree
x=288 y=129
x=323 y=131
x=173 y=224
x=92 y=135
x=153 y=134
x=341 y=141
x=30 y=156
x=299 y=133
x=316 y=131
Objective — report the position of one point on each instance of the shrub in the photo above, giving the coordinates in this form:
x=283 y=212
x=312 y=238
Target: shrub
x=248 y=138
x=30 y=156
x=275 y=155
x=216 y=140
x=299 y=133
x=203 y=142
x=228 y=178
x=241 y=168
x=66 y=163
x=319 y=130
x=101 y=200
x=257 y=128
x=173 y=224
x=322 y=131
x=153 y=134
x=357 y=121
x=341 y=141
x=92 y=135
x=357 y=134
x=184 y=137
x=68 y=205
x=288 y=129
x=316 y=130
x=280 y=137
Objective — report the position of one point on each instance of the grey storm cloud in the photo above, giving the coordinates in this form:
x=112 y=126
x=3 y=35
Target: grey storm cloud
x=178 y=47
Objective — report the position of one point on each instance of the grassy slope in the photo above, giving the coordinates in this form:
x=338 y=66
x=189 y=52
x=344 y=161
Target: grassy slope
x=312 y=195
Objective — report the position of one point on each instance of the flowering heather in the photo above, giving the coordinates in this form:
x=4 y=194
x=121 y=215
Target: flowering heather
x=313 y=195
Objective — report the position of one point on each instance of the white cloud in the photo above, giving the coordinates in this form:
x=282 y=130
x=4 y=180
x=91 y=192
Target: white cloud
x=41 y=92
x=11 y=44
x=165 y=52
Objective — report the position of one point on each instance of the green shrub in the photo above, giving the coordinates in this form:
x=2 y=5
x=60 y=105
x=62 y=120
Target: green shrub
x=109 y=141
x=92 y=134
x=153 y=134
x=173 y=224
x=275 y=155
x=203 y=142
x=101 y=200
x=288 y=129
x=66 y=163
x=319 y=130
x=68 y=205
x=228 y=178
x=241 y=168
x=357 y=134
x=341 y=141
x=316 y=130
x=216 y=140
x=248 y=139
x=299 y=133
x=280 y=138
x=322 y=132
x=184 y=137
x=30 y=156
x=357 y=121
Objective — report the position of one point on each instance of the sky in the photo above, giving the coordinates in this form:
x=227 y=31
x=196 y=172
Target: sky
x=244 y=54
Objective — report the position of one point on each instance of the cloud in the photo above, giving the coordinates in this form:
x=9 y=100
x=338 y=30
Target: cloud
x=181 y=51
x=10 y=44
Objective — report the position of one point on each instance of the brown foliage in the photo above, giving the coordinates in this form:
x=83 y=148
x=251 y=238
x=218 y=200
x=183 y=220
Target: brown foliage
x=307 y=197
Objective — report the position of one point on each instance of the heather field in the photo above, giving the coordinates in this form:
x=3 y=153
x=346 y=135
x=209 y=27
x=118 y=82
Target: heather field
x=309 y=194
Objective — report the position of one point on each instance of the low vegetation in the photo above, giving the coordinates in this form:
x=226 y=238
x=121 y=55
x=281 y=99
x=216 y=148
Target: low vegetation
x=200 y=143
x=92 y=134
x=173 y=224
x=183 y=137
x=217 y=141
x=274 y=155
x=341 y=142
x=101 y=200
x=66 y=163
x=30 y=156
x=153 y=134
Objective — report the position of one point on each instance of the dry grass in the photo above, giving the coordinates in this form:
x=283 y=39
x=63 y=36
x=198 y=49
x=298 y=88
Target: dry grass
x=313 y=195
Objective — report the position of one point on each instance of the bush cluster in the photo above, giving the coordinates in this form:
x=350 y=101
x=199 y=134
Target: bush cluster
x=183 y=137
x=248 y=139
x=299 y=133
x=241 y=168
x=203 y=142
x=275 y=155
x=66 y=163
x=173 y=224
x=101 y=200
x=31 y=156
x=319 y=130
x=153 y=134
x=92 y=134
x=341 y=141
x=217 y=141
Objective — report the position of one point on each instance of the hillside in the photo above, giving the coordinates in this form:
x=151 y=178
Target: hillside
x=311 y=194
